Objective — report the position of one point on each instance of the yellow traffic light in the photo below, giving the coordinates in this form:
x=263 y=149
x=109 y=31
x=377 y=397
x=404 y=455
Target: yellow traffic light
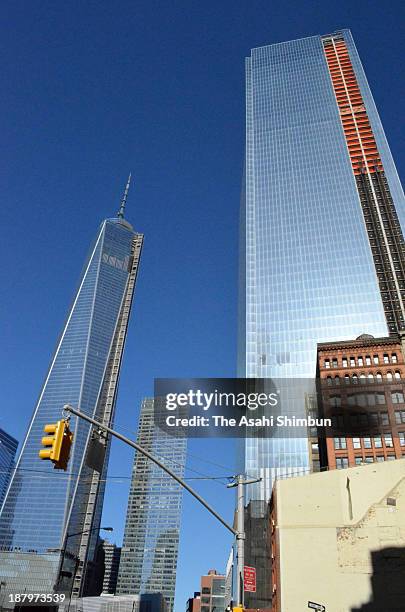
x=57 y=446
x=52 y=443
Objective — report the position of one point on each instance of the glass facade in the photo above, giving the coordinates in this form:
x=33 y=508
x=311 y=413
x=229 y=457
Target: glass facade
x=8 y=449
x=112 y=555
x=151 y=538
x=44 y=506
x=307 y=273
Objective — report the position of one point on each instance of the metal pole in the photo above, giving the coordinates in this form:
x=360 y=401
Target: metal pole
x=144 y=452
x=240 y=539
x=240 y=535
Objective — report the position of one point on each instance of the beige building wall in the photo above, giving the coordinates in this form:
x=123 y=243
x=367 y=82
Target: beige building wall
x=340 y=539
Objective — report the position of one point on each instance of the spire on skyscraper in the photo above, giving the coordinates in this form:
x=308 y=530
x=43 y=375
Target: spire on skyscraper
x=121 y=211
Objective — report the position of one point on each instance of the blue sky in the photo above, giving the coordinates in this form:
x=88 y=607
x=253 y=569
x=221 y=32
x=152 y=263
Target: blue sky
x=93 y=90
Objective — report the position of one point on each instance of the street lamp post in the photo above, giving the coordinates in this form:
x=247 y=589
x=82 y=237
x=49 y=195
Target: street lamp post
x=72 y=535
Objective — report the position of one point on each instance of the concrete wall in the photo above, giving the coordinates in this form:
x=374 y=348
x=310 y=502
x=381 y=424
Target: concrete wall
x=340 y=542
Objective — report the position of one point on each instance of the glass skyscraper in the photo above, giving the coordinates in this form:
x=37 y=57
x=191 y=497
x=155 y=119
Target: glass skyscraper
x=151 y=538
x=321 y=243
x=8 y=449
x=44 y=507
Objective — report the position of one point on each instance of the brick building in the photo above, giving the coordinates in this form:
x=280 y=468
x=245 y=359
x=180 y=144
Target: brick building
x=211 y=597
x=365 y=377
x=194 y=603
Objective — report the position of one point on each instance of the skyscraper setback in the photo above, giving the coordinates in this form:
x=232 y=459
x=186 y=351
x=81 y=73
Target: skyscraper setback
x=321 y=241
x=151 y=538
x=49 y=525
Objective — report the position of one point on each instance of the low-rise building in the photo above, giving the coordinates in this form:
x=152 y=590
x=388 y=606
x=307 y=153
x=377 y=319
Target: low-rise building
x=194 y=603
x=338 y=540
x=149 y=602
x=211 y=597
x=212 y=592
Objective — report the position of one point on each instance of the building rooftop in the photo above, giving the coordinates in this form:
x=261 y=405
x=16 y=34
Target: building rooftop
x=363 y=340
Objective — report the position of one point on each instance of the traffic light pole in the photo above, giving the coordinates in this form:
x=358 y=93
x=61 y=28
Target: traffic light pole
x=239 y=483
x=238 y=533
x=240 y=540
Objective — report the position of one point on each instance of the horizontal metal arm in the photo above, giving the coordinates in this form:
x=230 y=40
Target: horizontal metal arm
x=144 y=452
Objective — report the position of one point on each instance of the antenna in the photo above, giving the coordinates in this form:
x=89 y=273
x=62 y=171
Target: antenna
x=121 y=211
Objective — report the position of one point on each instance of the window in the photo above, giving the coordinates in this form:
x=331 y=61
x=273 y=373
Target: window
x=340 y=443
x=218 y=587
x=327 y=363
x=342 y=463
x=375 y=359
x=397 y=397
x=335 y=401
x=389 y=375
x=329 y=380
x=352 y=362
x=334 y=363
x=377 y=442
x=205 y=600
x=373 y=416
x=401 y=437
x=356 y=443
x=315 y=447
x=380 y=458
x=360 y=361
x=380 y=398
x=399 y=417
x=379 y=377
x=368 y=360
x=355 y=379
x=358 y=460
x=206 y=591
x=386 y=358
x=394 y=358
x=370 y=378
x=337 y=380
x=370 y=399
x=361 y=399
x=388 y=440
x=369 y=460
x=397 y=374
x=363 y=419
x=362 y=378
x=347 y=379
x=390 y=457
x=344 y=362
x=384 y=418
x=338 y=421
x=354 y=420
x=367 y=442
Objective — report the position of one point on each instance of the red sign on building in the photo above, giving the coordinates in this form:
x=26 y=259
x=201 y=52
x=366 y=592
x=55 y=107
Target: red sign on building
x=249 y=579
